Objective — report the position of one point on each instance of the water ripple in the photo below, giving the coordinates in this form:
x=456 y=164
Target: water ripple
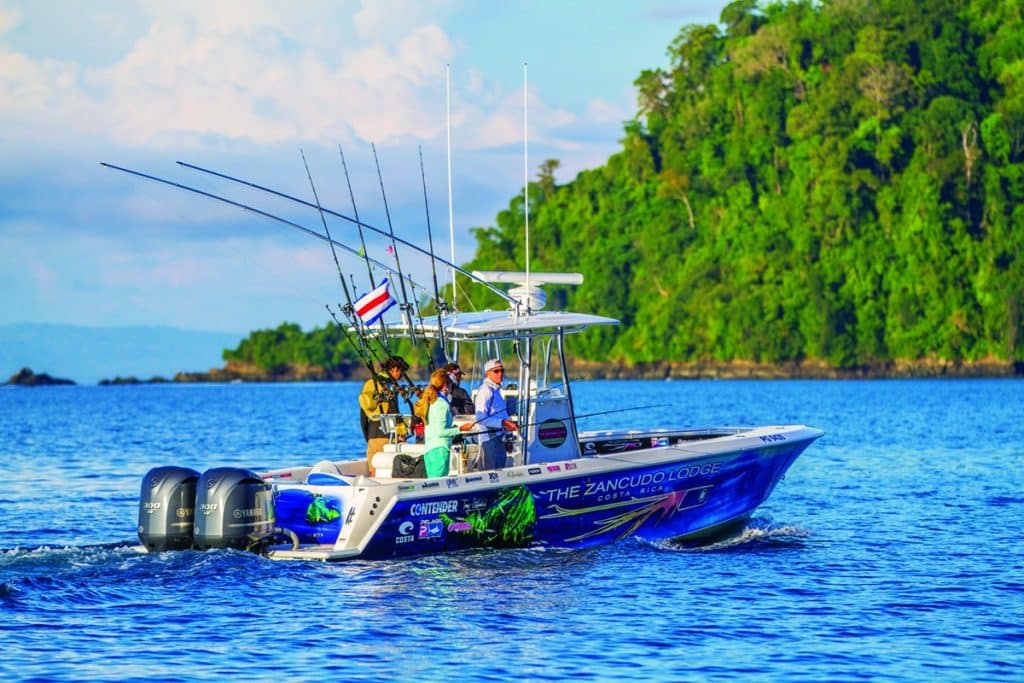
x=887 y=552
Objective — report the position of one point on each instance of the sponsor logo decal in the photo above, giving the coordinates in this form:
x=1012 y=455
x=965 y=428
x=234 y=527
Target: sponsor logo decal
x=534 y=470
x=405 y=530
x=431 y=528
x=436 y=507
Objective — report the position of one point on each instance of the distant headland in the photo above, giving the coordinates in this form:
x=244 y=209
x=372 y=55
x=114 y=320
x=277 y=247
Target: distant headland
x=26 y=378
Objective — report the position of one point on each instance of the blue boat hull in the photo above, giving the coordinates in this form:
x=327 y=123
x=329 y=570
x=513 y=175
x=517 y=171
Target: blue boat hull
x=687 y=499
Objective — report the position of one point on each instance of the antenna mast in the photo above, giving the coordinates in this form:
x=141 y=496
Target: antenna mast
x=448 y=128
x=526 y=183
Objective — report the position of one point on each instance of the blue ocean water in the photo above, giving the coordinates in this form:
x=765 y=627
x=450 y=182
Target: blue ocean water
x=891 y=551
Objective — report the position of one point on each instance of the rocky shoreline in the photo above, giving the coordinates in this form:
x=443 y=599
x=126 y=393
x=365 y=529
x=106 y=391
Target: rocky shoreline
x=240 y=372
x=237 y=372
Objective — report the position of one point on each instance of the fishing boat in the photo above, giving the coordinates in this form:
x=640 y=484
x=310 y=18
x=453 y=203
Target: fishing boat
x=560 y=486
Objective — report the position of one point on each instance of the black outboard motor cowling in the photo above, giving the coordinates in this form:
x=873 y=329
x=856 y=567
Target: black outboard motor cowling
x=167 y=504
x=234 y=509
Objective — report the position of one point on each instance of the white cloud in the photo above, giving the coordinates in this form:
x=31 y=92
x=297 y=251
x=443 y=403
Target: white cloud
x=246 y=84
x=602 y=111
x=243 y=71
x=239 y=71
x=9 y=18
x=378 y=21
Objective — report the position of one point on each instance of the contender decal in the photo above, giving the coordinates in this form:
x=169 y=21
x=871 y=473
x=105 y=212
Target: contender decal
x=436 y=507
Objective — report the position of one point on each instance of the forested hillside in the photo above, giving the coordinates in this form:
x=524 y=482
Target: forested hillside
x=830 y=181
x=836 y=183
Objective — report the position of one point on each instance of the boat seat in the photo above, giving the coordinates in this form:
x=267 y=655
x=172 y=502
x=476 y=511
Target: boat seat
x=384 y=461
x=326 y=473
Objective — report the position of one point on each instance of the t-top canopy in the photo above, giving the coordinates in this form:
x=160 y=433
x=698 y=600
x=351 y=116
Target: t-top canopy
x=482 y=325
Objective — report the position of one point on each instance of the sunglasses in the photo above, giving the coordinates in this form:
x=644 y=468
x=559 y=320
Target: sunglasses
x=498 y=370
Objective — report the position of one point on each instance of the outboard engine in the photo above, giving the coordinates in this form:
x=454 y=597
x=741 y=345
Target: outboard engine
x=234 y=509
x=167 y=505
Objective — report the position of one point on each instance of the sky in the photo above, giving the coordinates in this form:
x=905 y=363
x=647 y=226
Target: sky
x=248 y=89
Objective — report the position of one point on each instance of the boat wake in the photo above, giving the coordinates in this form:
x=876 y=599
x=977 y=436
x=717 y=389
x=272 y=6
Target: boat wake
x=757 y=534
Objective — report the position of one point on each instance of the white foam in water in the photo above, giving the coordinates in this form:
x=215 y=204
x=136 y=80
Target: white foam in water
x=759 y=531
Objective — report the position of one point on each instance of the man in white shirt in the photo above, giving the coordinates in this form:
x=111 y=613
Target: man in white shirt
x=492 y=417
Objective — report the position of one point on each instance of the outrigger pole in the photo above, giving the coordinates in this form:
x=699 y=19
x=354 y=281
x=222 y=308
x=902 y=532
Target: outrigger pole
x=462 y=271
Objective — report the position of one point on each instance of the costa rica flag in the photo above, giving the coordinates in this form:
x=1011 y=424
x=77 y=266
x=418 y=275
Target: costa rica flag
x=372 y=305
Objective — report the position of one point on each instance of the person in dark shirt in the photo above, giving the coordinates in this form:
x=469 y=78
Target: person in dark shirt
x=462 y=404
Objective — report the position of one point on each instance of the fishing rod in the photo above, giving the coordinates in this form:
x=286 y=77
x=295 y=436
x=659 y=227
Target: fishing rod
x=462 y=271
x=327 y=231
x=406 y=307
x=364 y=353
x=362 y=241
x=383 y=329
x=349 y=309
x=352 y=196
x=270 y=216
x=251 y=209
x=442 y=306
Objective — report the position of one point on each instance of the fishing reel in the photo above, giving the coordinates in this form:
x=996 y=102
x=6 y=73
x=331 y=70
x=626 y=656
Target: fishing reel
x=383 y=396
x=509 y=439
x=410 y=391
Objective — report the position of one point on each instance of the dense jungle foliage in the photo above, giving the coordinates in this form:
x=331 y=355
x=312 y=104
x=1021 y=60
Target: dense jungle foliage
x=838 y=181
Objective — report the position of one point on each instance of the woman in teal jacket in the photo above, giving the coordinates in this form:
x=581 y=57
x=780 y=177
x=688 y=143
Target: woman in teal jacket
x=435 y=409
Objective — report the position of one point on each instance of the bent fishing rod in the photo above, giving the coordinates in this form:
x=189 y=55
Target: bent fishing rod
x=504 y=295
